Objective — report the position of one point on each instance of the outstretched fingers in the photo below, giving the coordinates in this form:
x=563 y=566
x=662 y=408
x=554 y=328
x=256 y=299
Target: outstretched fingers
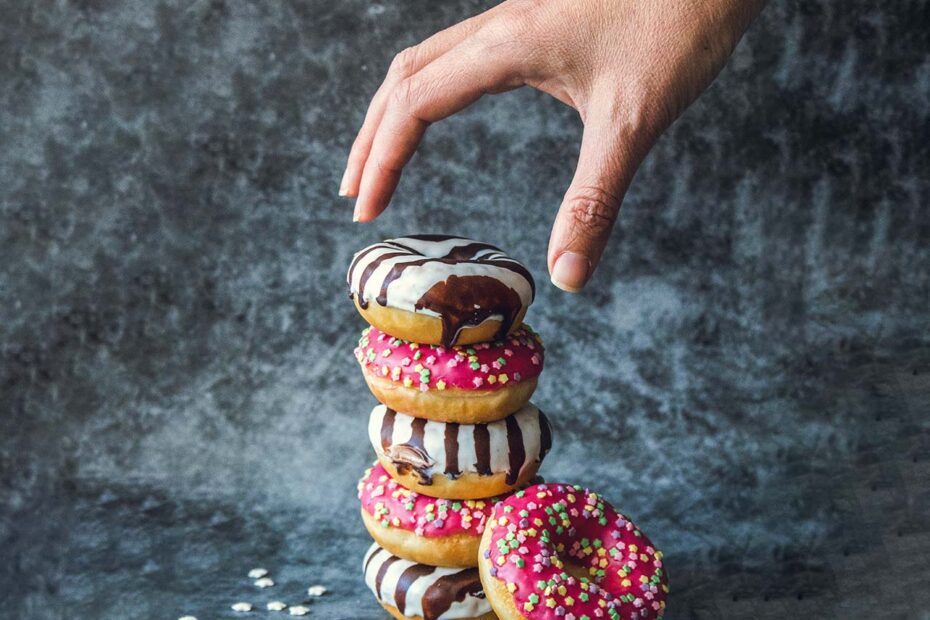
x=443 y=87
x=405 y=64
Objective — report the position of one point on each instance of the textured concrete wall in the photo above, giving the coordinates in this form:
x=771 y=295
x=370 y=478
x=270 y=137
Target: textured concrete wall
x=748 y=376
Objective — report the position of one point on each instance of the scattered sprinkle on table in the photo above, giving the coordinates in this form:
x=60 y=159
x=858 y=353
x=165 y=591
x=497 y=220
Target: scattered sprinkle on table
x=316 y=590
x=264 y=582
x=242 y=606
x=187 y=618
x=299 y=610
x=257 y=573
x=276 y=606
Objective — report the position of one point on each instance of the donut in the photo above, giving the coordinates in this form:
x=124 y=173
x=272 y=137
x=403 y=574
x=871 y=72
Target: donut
x=460 y=461
x=421 y=592
x=561 y=551
x=420 y=528
x=438 y=289
x=467 y=384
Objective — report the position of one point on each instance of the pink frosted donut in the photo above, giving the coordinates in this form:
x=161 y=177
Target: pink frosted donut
x=559 y=551
x=394 y=506
x=440 y=532
x=466 y=384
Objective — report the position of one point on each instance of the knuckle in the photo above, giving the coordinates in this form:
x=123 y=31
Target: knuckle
x=517 y=21
x=508 y=24
x=404 y=63
x=593 y=210
x=514 y=24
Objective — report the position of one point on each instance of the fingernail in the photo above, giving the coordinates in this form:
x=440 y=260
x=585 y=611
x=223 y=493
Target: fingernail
x=571 y=271
x=355 y=213
x=344 y=184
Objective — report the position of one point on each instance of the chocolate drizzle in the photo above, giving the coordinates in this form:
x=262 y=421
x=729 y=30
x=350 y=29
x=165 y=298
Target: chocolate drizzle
x=450 y=589
x=423 y=590
x=387 y=428
x=483 y=450
x=460 y=301
x=395 y=272
x=371 y=556
x=515 y=450
x=431 y=448
x=369 y=270
x=379 y=578
x=465 y=301
x=406 y=579
x=451 y=442
x=545 y=435
x=355 y=261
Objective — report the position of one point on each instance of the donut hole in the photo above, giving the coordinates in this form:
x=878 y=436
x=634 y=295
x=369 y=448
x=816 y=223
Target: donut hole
x=577 y=570
x=576 y=558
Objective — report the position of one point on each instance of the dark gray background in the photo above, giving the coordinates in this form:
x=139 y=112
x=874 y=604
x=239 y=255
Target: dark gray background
x=748 y=375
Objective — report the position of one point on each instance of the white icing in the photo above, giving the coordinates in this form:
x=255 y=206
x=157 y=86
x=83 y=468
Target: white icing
x=470 y=607
x=434 y=439
x=404 y=292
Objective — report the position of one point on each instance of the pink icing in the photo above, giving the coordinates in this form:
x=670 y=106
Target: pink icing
x=484 y=366
x=535 y=532
x=394 y=506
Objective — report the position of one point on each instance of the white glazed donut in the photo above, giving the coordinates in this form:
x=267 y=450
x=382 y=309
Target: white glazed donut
x=449 y=285
x=460 y=461
x=410 y=590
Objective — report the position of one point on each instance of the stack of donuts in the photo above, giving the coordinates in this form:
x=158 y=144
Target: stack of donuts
x=463 y=527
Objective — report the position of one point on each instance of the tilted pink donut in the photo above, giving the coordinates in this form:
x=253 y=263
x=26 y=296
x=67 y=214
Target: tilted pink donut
x=534 y=533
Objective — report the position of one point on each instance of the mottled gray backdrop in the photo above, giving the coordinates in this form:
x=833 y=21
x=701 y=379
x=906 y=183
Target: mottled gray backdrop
x=748 y=376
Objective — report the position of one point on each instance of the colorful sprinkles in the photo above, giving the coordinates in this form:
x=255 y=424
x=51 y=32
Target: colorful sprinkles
x=395 y=506
x=564 y=552
x=484 y=366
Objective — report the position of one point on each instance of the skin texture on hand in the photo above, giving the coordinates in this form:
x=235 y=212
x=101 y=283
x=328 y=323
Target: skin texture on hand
x=629 y=67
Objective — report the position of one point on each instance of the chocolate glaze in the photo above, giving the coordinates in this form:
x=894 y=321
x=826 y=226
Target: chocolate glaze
x=464 y=301
x=449 y=589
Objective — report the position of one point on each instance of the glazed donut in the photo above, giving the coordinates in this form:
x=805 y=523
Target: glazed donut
x=465 y=384
x=440 y=532
x=408 y=590
x=437 y=289
x=559 y=551
x=460 y=461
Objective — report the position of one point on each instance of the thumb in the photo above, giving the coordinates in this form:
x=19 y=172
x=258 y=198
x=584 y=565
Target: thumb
x=606 y=165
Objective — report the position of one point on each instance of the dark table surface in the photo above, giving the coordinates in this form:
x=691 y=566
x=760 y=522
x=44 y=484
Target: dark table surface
x=748 y=375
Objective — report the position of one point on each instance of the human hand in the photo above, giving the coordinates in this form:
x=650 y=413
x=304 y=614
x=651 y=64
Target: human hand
x=629 y=67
